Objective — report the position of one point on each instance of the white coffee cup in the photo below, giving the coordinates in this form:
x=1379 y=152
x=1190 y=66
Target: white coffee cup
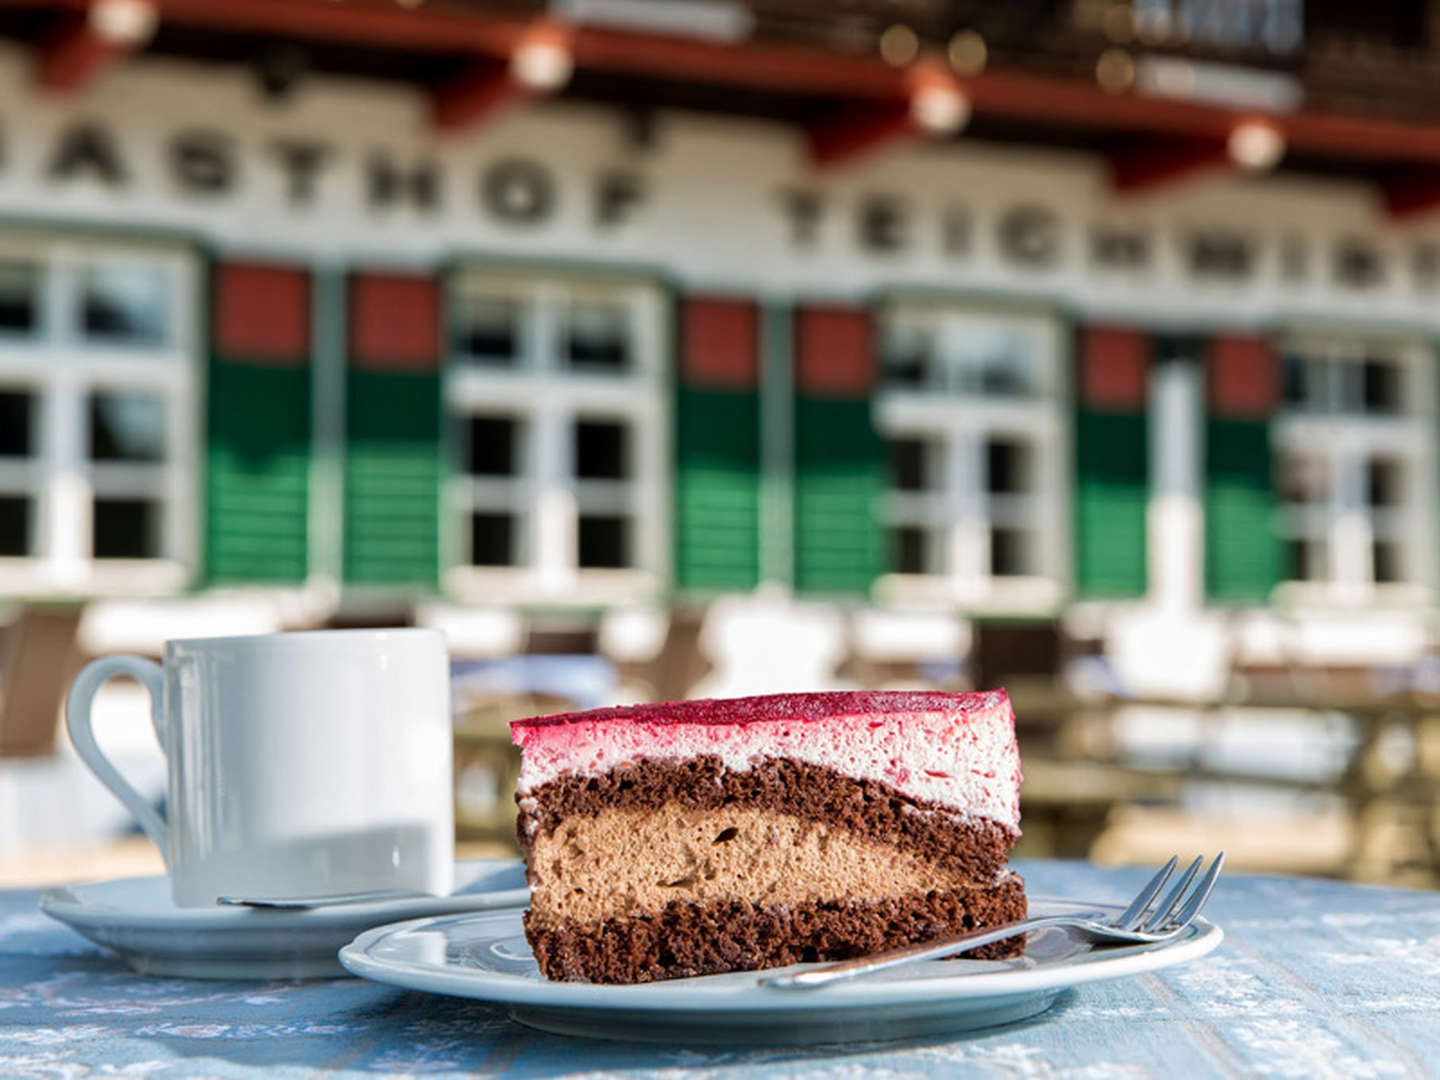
x=299 y=764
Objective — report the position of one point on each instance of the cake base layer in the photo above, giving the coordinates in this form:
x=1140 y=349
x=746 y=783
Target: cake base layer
x=689 y=939
x=971 y=849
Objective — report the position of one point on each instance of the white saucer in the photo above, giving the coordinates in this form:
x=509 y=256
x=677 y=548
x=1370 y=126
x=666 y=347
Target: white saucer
x=138 y=919
x=486 y=957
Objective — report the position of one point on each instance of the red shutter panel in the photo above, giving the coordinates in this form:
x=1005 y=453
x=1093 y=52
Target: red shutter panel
x=1113 y=363
x=395 y=322
x=720 y=347
x=835 y=353
x=262 y=312
x=1244 y=377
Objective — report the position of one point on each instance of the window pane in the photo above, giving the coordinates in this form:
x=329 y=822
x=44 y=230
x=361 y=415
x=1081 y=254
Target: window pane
x=19 y=297
x=491 y=446
x=907 y=355
x=1002 y=362
x=1382 y=386
x=128 y=304
x=492 y=539
x=17 y=431
x=127 y=427
x=1007 y=467
x=487 y=329
x=1009 y=552
x=910 y=550
x=1306 y=560
x=600 y=450
x=1386 y=482
x=598 y=336
x=1386 y=563
x=1304 y=479
x=1305 y=383
x=126 y=529
x=604 y=540
x=14 y=525
x=912 y=464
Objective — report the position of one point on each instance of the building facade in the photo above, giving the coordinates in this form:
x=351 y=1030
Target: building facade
x=581 y=360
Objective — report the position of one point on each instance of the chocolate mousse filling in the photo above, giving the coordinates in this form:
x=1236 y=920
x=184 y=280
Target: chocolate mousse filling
x=969 y=849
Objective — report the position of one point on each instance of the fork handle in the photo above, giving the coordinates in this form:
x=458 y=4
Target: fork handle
x=908 y=954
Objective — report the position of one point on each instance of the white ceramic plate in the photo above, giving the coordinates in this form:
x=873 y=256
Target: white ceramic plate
x=486 y=957
x=137 y=918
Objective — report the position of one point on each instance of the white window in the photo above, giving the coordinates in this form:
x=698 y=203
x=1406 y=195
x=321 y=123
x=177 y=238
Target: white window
x=556 y=388
x=1354 y=453
x=976 y=507
x=97 y=417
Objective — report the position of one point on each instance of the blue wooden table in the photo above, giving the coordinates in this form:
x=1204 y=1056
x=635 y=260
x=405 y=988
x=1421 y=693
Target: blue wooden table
x=1315 y=979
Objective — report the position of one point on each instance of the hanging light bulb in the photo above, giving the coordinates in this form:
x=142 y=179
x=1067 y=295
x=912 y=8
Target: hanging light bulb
x=1256 y=145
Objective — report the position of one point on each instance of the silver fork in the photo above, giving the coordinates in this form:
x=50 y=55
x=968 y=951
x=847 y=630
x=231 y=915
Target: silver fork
x=1144 y=922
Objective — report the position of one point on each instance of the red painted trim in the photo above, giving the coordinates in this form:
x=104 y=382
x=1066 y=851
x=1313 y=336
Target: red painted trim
x=834 y=351
x=1162 y=163
x=395 y=322
x=1414 y=196
x=720 y=346
x=1243 y=377
x=857 y=133
x=1114 y=363
x=479 y=94
x=786 y=68
x=262 y=312
x=73 y=59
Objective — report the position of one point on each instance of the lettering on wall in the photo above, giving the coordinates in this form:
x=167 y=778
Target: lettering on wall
x=202 y=162
x=388 y=183
x=524 y=192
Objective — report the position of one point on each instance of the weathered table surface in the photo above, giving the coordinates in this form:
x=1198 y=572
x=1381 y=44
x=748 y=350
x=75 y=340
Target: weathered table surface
x=1315 y=979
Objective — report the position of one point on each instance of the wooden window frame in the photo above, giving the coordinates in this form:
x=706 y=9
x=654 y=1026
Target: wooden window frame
x=1345 y=442
x=961 y=508
x=62 y=368
x=547 y=399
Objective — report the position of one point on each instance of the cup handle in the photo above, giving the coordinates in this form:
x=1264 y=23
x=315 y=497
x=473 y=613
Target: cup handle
x=77 y=721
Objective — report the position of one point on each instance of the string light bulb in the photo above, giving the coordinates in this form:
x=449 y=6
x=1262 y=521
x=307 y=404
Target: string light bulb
x=1255 y=145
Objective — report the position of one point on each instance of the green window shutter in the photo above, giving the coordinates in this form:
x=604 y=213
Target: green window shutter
x=1242 y=556
x=1111 y=491
x=839 y=458
x=257 y=467
x=717 y=446
x=393 y=445
x=257 y=474
x=1242 y=545
x=839 y=480
x=1112 y=471
x=717 y=498
x=392 y=478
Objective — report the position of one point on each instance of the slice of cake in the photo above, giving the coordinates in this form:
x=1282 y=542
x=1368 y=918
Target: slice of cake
x=664 y=841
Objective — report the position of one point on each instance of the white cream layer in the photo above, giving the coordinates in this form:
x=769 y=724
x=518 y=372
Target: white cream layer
x=966 y=761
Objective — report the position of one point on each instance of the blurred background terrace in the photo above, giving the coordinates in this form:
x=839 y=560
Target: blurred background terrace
x=663 y=348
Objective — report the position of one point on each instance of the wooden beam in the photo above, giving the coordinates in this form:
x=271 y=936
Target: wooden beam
x=474 y=96
x=1165 y=162
x=74 y=57
x=787 y=68
x=1414 y=195
x=859 y=132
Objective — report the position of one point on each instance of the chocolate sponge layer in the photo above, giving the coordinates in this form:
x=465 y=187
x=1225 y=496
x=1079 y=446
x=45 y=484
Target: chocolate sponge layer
x=685 y=939
x=974 y=849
